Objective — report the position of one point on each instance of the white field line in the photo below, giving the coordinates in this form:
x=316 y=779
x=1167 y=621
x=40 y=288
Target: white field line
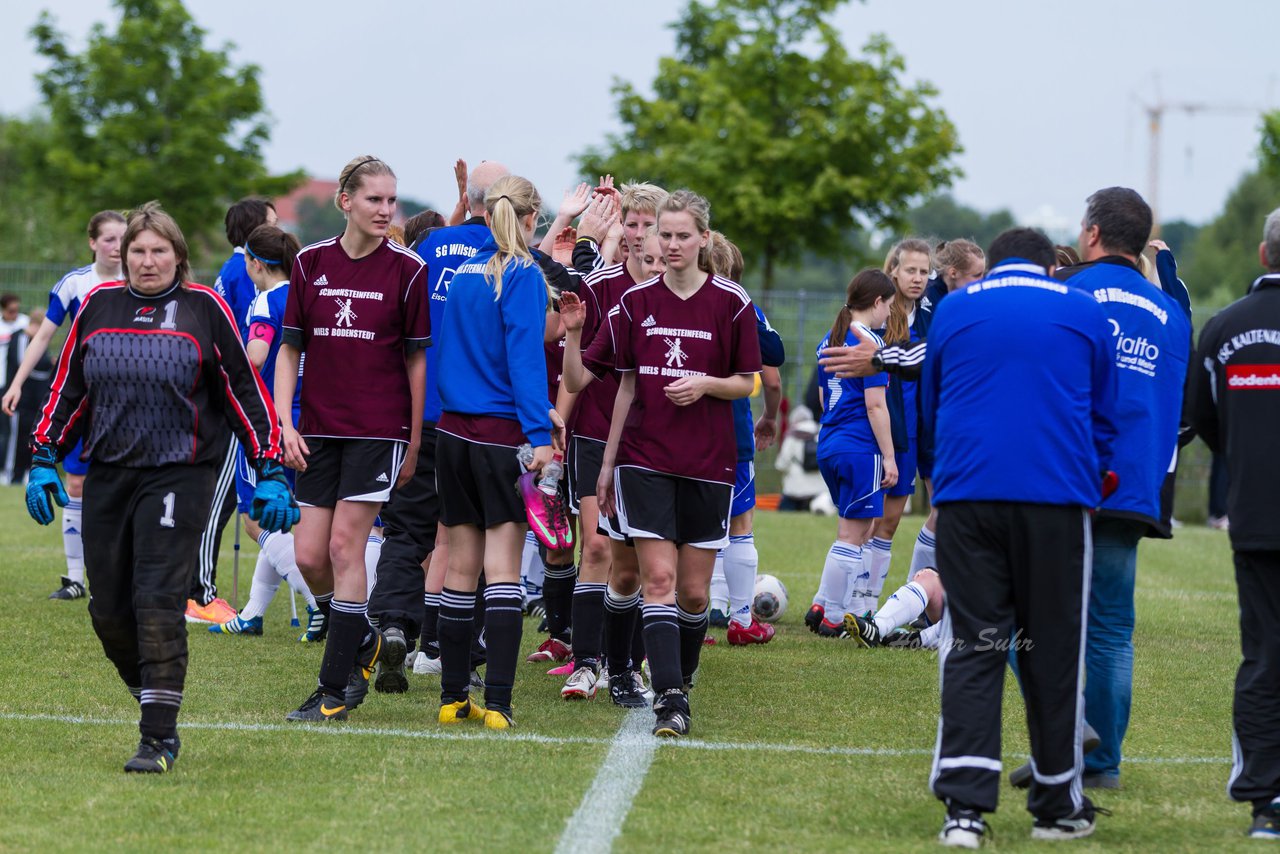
x=603 y=809
x=535 y=738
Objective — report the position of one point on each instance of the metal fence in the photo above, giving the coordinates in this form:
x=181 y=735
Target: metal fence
x=801 y=317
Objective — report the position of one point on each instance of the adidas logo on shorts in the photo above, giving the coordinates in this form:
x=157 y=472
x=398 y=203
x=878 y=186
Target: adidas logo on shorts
x=322 y=281
x=649 y=321
x=382 y=478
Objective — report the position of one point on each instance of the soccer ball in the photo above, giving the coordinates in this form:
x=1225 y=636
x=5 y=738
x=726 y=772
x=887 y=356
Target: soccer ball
x=770 y=601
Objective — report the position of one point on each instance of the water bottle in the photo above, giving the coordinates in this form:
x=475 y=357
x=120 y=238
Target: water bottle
x=551 y=474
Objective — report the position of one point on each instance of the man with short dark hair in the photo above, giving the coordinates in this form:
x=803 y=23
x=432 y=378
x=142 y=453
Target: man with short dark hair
x=1151 y=337
x=1019 y=389
x=1234 y=405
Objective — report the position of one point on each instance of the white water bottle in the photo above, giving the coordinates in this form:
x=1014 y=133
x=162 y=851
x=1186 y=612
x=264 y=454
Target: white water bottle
x=551 y=474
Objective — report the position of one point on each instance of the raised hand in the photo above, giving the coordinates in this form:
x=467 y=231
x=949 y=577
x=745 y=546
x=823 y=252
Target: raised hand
x=573 y=312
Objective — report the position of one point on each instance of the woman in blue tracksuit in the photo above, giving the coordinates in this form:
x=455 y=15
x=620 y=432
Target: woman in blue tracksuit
x=494 y=399
x=855 y=452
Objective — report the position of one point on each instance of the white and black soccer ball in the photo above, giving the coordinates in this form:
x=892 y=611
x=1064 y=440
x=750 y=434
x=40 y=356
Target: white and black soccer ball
x=770 y=600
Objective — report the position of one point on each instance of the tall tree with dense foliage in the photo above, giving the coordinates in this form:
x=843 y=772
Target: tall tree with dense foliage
x=1224 y=255
x=148 y=111
x=795 y=142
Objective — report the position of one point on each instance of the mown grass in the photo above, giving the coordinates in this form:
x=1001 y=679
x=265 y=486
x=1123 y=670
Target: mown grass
x=387 y=781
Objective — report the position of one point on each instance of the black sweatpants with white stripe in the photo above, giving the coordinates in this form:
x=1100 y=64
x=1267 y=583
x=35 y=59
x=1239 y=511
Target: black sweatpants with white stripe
x=1006 y=565
x=141 y=531
x=1255 y=775
x=222 y=506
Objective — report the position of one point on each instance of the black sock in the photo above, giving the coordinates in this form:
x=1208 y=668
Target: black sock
x=637 y=644
x=620 y=621
x=454 y=636
x=348 y=626
x=160 y=712
x=431 y=614
x=557 y=598
x=693 y=629
x=588 y=622
x=477 y=632
x=324 y=604
x=662 y=639
x=503 y=621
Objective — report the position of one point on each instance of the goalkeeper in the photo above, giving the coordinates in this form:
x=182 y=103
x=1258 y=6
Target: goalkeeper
x=150 y=377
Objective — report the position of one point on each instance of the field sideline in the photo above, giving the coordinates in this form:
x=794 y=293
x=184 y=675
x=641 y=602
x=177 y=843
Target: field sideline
x=805 y=744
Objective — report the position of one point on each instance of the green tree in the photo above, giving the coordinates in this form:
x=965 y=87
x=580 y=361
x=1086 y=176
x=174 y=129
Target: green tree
x=29 y=229
x=945 y=218
x=147 y=111
x=1224 y=255
x=1270 y=148
x=795 y=143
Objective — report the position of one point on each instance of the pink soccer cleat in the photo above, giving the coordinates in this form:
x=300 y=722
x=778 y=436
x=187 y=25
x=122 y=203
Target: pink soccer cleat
x=547 y=515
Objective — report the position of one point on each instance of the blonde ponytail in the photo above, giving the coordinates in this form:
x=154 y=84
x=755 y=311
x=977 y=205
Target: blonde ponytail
x=507 y=201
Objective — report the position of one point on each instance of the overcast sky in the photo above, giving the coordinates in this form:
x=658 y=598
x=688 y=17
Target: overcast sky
x=1046 y=96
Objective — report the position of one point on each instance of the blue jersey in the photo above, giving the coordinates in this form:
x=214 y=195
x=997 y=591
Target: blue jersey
x=66 y=296
x=268 y=308
x=444 y=250
x=493 y=345
x=1020 y=386
x=1151 y=342
x=845 y=426
x=773 y=354
x=237 y=289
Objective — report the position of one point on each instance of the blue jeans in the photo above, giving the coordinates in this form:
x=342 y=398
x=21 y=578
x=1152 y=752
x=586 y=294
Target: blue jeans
x=1108 y=659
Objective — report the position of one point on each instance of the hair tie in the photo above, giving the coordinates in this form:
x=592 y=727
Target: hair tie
x=356 y=169
x=505 y=196
x=258 y=257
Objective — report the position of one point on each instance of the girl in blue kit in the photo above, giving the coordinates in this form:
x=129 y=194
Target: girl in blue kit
x=855 y=451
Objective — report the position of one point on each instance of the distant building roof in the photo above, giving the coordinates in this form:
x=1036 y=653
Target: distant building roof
x=287 y=206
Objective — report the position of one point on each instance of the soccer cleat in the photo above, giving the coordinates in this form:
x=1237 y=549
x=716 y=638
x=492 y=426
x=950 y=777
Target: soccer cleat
x=1266 y=822
x=317 y=626
x=494 y=719
x=459 y=711
x=717 y=619
x=582 y=683
x=626 y=691
x=565 y=669
x=1079 y=824
x=831 y=630
x=69 y=590
x=237 y=626
x=547 y=515
x=813 y=618
x=367 y=656
x=902 y=639
x=757 y=632
x=645 y=690
x=216 y=612
x=154 y=756
x=862 y=629
x=536 y=608
x=319 y=708
x=672 y=710
x=551 y=649
x=391 y=678
x=963 y=828
x=426 y=663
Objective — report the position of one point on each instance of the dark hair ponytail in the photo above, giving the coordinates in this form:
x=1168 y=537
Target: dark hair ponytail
x=274 y=247
x=865 y=288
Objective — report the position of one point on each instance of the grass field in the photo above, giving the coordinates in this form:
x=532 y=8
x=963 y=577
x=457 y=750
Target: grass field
x=802 y=745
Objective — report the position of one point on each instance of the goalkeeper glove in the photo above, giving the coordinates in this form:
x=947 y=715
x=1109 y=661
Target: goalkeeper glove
x=273 y=505
x=44 y=487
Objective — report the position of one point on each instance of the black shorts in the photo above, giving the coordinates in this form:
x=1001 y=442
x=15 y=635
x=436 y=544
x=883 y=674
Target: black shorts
x=585 y=458
x=349 y=470
x=652 y=505
x=477 y=483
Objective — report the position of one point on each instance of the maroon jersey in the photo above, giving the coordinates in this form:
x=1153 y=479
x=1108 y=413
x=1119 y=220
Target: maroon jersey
x=663 y=338
x=356 y=320
x=599 y=293
x=555 y=368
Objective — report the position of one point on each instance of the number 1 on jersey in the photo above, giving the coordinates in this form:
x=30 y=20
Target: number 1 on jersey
x=166 y=521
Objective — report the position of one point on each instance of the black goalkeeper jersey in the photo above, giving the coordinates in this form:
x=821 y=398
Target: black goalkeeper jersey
x=156 y=380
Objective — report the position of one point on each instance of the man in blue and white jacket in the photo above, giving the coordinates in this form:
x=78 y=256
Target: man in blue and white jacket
x=1151 y=332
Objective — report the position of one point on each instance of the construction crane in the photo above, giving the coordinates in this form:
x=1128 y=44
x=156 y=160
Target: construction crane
x=1155 y=121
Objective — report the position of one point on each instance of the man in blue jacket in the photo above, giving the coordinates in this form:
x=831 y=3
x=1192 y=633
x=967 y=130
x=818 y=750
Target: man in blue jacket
x=1151 y=336
x=1019 y=387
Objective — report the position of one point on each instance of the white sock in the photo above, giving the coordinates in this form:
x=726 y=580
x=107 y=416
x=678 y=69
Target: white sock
x=931 y=638
x=741 y=560
x=844 y=561
x=534 y=574
x=279 y=550
x=719 y=585
x=372 y=551
x=878 y=557
x=72 y=543
x=925 y=553
x=529 y=556
x=906 y=603
x=266 y=581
